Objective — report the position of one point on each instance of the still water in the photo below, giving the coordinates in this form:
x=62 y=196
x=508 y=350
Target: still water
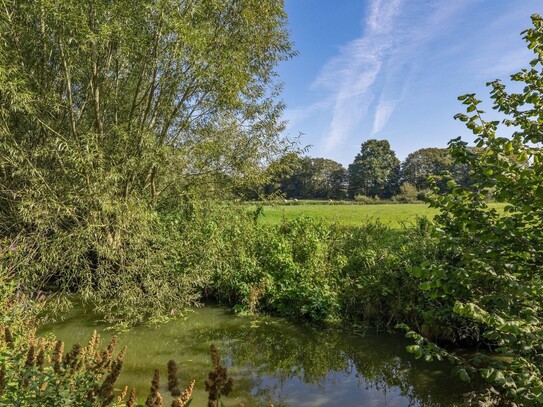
x=273 y=361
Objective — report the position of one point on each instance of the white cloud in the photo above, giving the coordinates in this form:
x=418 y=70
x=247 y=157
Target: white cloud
x=294 y=116
x=361 y=73
x=382 y=15
x=351 y=75
x=383 y=111
x=511 y=62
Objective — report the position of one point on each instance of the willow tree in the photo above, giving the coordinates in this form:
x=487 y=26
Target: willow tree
x=112 y=109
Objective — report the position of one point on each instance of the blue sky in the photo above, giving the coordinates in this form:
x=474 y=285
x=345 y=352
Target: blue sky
x=393 y=69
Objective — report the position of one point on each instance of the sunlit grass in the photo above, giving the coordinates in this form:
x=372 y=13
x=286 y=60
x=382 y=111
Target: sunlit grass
x=393 y=215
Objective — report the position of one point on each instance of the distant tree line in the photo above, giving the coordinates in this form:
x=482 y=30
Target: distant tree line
x=376 y=172
x=307 y=178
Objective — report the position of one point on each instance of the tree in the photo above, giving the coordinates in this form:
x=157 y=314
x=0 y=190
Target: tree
x=110 y=111
x=290 y=176
x=489 y=276
x=338 y=183
x=307 y=178
x=422 y=164
x=277 y=172
x=375 y=170
x=419 y=165
x=328 y=178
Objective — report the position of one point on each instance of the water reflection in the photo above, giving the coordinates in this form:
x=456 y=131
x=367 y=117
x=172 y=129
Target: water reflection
x=272 y=360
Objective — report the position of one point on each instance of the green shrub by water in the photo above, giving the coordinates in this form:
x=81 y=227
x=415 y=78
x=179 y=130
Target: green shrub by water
x=309 y=269
x=490 y=272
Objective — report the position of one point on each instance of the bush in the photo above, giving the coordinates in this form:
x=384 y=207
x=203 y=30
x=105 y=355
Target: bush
x=125 y=273
x=79 y=377
x=424 y=194
x=283 y=269
x=489 y=272
x=408 y=193
x=307 y=269
x=365 y=200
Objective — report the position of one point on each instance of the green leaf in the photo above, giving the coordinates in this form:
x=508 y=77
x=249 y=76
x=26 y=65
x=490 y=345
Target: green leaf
x=499 y=377
x=486 y=373
x=426 y=286
x=416 y=271
x=464 y=376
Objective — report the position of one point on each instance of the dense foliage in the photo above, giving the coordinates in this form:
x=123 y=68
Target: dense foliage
x=307 y=269
x=490 y=270
x=420 y=165
x=111 y=113
x=368 y=178
x=307 y=178
x=375 y=170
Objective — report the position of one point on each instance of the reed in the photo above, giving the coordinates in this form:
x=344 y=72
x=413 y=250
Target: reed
x=218 y=383
x=173 y=379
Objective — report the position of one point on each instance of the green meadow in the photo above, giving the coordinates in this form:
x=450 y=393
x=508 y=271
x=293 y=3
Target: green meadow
x=393 y=215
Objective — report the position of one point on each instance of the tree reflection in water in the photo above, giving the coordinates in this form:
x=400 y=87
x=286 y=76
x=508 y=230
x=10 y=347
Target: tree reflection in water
x=296 y=366
x=276 y=361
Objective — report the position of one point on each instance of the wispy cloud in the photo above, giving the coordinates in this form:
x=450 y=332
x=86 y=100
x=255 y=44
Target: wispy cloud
x=382 y=15
x=295 y=116
x=358 y=75
x=351 y=75
x=383 y=111
x=396 y=79
x=507 y=47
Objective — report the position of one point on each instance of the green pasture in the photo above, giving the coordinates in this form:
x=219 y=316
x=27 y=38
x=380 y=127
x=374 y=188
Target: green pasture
x=393 y=215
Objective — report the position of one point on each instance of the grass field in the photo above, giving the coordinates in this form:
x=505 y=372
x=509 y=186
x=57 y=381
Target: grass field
x=390 y=214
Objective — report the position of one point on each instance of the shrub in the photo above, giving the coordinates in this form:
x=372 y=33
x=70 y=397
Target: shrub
x=82 y=376
x=424 y=194
x=126 y=276
x=408 y=193
x=307 y=269
x=363 y=199
x=283 y=269
x=489 y=272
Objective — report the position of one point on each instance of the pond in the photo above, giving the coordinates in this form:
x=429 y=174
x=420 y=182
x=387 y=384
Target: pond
x=273 y=361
